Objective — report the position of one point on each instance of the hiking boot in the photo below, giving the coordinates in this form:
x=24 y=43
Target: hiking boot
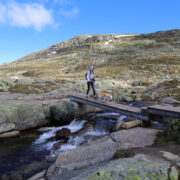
x=96 y=97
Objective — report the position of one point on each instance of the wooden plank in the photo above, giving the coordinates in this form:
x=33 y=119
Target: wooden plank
x=166 y=111
x=113 y=107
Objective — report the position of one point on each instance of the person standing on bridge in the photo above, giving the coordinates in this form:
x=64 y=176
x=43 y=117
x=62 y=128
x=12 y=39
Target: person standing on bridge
x=90 y=81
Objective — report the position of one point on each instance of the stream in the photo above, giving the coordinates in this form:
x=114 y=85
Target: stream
x=22 y=157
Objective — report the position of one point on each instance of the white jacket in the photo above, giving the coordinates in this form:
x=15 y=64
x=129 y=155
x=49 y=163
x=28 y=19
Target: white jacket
x=90 y=76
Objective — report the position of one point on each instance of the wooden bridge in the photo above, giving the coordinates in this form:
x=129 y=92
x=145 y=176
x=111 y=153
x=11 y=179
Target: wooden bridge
x=144 y=114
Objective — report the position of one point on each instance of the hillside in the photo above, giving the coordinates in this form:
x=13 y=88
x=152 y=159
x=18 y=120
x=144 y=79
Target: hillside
x=131 y=67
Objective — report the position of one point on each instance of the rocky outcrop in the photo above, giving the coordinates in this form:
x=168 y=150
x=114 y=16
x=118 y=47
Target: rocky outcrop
x=6 y=83
x=21 y=115
x=101 y=150
x=135 y=168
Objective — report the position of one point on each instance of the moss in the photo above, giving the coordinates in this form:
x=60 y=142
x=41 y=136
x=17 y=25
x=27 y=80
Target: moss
x=121 y=153
x=172 y=134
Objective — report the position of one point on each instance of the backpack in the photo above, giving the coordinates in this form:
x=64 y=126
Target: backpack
x=86 y=76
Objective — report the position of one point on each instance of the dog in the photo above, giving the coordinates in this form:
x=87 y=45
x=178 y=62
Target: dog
x=104 y=96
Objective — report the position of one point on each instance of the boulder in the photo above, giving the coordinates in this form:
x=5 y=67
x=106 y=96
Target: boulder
x=98 y=151
x=22 y=114
x=6 y=83
x=63 y=133
x=173 y=158
x=119 y=123
x=170 y=100
x=101 y=150
x=27 y=81
x=10 y=134
x=137 y=167
x=104 y=125
x=64 y=112
x=6 y=127
x=38 y=176
x=136 y=137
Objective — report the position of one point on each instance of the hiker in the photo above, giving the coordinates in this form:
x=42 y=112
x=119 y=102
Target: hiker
x=90 y=81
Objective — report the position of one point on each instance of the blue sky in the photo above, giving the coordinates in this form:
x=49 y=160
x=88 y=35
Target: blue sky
x=30 y=25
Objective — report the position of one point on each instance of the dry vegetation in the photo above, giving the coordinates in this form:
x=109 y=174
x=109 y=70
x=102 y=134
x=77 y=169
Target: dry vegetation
x=143 y=59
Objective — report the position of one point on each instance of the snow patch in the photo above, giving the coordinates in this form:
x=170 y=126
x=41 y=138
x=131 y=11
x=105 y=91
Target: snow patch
x=54 y=52
x=124 y=35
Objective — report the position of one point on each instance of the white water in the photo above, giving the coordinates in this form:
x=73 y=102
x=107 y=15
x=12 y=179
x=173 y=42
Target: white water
x=74 y=126
x=121 y=118
x=107 y=114
x=44 y=143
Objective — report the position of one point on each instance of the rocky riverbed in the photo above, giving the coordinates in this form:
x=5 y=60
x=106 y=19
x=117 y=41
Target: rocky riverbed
x=88 y=151
x=52 y=142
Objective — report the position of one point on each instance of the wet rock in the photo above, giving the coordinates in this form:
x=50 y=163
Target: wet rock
x=38 y=176
x=64 y=112
x=106 y=116
x=14 y=176
x=118 y=125
x=63 y=133
x=101 y=149
x=6 y=127
x=58 y=145
x=104 y=125
x=10 y=134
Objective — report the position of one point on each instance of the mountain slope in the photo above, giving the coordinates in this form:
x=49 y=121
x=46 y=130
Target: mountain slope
x=120 y=60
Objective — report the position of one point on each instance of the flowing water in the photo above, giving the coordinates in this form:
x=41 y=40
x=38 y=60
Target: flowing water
x=21 y=157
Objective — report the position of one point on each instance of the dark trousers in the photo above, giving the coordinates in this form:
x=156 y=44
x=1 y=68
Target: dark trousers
x=91 y=84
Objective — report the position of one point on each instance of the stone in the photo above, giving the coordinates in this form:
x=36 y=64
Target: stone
x=10 y=134
x=22 y=114
x=6 y=83
x=101 y=150
x=170 y=100
x=6 y=127
x=38 y=176
x=131 y=169
x=119 y=123
x=106 y=116
x=63 y=133
x=57 y=145
x=26 y=82
x=173 y=158
x=64 y=112
x=127 y=99
x=136 y=137
x=98 y=151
